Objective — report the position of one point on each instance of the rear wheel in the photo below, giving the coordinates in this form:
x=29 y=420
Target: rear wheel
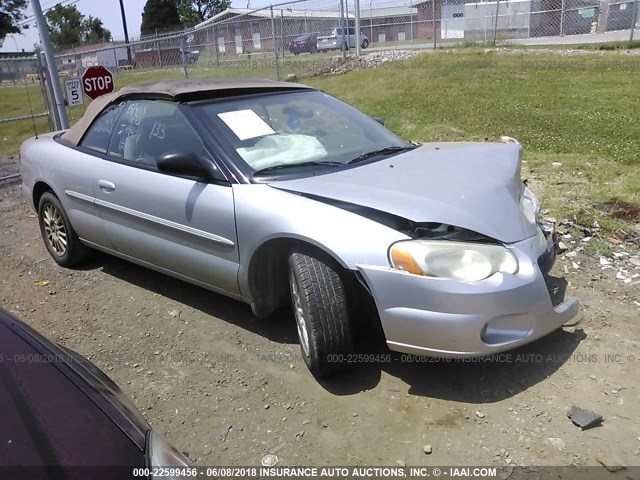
x=59 y=237
x=320 y=307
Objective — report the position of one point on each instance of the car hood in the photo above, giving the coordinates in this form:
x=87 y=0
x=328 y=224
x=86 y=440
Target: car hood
x=476 y=186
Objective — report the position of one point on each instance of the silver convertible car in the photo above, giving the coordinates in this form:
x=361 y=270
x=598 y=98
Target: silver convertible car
x=276 y=193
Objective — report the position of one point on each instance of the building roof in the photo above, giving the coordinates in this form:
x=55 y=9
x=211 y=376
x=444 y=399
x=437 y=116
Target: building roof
x=17 y=55
x=92 y=47
x=179 y=90
x=231 y=13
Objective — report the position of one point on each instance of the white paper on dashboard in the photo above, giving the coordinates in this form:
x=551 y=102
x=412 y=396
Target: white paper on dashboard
x=245 y=124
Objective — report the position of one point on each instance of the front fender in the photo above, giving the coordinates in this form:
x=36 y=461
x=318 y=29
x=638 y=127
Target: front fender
x=264 y=213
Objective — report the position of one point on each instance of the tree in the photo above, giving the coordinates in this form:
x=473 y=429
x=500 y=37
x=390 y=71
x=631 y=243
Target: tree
x=11 y=13
x=94 y=31
x=66 y=25
x=160 y=15
x=193 y=12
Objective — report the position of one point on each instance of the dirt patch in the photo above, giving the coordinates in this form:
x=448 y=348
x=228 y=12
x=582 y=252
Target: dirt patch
x=199 y=365
x=9 y=165
x=623 y=210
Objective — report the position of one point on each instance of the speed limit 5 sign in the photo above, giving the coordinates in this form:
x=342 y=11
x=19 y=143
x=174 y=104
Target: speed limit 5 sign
x=73 y=86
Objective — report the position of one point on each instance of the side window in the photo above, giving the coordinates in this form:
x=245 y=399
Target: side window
x=99 y=133
x=352 y=31
x=149 y=129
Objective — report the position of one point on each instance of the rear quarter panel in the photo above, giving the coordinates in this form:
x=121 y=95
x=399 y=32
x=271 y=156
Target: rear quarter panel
x=64 y=170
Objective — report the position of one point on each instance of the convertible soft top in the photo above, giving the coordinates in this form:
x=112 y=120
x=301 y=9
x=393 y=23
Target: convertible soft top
x=178 y=90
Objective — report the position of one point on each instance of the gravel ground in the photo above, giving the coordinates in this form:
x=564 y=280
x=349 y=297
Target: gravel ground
x=229 y=389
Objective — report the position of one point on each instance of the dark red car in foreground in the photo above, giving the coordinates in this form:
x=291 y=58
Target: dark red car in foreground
x=63 y=418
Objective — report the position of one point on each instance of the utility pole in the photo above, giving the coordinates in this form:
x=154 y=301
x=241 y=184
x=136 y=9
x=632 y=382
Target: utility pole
x=126 y=32
x=52 y=71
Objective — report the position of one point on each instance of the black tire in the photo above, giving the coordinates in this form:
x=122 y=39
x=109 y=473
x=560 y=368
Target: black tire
x=365 y=43
x=325 y=330
x=58 y=235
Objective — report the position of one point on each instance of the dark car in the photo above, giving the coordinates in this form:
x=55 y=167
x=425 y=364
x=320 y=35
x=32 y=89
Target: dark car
x=304 y=43
x=63 y=418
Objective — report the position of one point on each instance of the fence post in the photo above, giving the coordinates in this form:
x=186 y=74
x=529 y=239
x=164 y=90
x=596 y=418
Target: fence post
x=158 y=49
x=433 y=21
x=562 y=19
x=49 y=82
x=346 y=16
x=344 y=51
x=495 y=28
x=275 y=47
x=184 y=57
x=282 y=30
x=356 y=11
x=43 y=92
x=634 y=19
x=216 y=45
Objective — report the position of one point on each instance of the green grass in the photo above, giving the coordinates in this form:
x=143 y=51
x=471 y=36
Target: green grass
x=580 y=111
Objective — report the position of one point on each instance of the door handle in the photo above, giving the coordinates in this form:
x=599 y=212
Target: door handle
x=106 y=186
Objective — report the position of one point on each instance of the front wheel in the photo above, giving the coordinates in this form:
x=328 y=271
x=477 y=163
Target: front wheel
x=59 y=237
x=365 y=43
x=320 y=307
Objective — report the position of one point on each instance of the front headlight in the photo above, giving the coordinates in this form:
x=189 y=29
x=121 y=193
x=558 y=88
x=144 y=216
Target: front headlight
x=162 y=454
x=530 y=205
x=466 y=262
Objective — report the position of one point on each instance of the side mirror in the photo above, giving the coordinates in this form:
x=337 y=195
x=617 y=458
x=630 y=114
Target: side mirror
x=379 y=120
x=190 y=165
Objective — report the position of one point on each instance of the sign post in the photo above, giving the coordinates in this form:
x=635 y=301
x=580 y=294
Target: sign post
x=73 y=87
x=97 y=81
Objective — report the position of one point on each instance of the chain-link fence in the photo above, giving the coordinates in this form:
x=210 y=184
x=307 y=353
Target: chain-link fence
x=260 y=42
x=25 y=106
x=23 y=81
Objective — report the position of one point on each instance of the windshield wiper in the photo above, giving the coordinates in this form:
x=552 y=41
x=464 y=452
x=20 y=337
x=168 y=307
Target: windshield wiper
x=380 y=152
x=315 y=163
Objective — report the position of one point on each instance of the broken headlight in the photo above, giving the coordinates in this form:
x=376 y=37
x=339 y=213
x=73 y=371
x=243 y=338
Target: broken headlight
x=465 y=262
x=530 y=205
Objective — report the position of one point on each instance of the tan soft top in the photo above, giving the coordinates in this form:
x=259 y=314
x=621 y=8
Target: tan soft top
x=178 y=90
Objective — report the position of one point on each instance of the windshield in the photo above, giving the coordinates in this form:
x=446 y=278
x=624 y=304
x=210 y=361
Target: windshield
x=327 y=32
x=272 y=131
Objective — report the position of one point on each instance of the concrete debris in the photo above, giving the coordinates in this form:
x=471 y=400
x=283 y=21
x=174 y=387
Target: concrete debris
x=624 y=266
x=339 y=66
x=427 y=449
x=557 y=443
x=269 y=460
x=584 y=419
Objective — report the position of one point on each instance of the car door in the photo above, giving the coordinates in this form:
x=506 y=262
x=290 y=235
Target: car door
x=76 y=177
x=178 y=224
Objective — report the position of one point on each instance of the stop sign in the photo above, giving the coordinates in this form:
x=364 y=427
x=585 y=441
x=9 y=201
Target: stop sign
x=97 y=81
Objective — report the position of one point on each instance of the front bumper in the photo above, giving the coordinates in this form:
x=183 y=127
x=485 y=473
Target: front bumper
x=447 y=318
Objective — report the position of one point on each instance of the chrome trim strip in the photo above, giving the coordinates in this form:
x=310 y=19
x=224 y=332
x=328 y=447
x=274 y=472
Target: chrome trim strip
x=152 y=218
x=81 y=196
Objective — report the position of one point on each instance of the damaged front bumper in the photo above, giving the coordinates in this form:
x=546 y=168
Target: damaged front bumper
x=447 y=318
